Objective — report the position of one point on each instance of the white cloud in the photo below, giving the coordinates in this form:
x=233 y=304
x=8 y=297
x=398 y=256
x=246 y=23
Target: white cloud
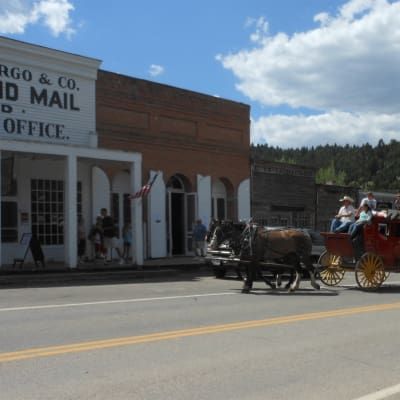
x=261 y=28
x=333 y=127
x=347 y=64
x=156 y=70
x=17 y=15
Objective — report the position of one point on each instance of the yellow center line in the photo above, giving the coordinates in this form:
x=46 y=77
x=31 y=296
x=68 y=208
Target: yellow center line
x=153 y=337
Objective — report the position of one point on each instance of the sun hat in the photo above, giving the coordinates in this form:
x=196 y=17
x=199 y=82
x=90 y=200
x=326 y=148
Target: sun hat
x=347 y=198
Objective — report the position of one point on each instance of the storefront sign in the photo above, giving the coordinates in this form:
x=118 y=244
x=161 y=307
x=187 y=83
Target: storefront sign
x=39 y=103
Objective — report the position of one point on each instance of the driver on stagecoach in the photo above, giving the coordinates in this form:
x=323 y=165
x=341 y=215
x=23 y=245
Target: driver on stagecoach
x=345 y=217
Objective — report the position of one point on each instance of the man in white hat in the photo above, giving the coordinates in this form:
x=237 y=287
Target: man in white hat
x=345 y=217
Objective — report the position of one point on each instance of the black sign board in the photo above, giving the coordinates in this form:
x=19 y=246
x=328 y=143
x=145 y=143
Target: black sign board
x=30 y=242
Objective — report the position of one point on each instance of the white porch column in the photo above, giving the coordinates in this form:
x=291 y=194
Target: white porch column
x=136 y=212
x=244 y=202
x=0 y=214
x=70 y=212
x=156 y=222
x=204 y=198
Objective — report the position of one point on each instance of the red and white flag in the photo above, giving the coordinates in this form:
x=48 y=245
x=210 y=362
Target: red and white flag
x=145 y=189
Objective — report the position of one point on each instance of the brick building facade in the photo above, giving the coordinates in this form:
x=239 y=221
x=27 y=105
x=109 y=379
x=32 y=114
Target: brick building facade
x=198 y=146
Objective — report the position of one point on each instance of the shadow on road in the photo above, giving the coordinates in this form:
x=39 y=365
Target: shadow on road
x=43 y=279
x=285 y=292
x=385 y=289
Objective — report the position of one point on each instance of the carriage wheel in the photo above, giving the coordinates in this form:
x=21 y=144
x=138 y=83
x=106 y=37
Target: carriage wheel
x=332 y=272
x=387 y=274
x=370 y=271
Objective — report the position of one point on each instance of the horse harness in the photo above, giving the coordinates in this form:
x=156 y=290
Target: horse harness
x=249 y=235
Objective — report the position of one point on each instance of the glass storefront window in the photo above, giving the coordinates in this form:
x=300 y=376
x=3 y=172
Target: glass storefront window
x=47 y=208
x=9 y=221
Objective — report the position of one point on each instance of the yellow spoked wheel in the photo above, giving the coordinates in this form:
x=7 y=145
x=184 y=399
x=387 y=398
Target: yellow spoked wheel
x=387 y=274
x=370 y=272
x=331 y=273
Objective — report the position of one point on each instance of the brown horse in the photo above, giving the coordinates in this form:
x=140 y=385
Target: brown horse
x=288 y=248
x=278 y=250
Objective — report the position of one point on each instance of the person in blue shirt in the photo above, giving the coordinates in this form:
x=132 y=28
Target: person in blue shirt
x=199 y=237
x=127 y=240
x=364 y=218
x=370 y=200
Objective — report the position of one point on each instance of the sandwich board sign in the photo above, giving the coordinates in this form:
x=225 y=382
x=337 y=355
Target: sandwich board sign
x=29 y=242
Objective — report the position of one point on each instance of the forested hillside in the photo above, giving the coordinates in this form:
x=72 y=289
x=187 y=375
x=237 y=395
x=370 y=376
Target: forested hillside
x=367 y=167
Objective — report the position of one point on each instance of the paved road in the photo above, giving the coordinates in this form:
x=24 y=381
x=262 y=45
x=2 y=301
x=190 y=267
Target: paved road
x=196 y=337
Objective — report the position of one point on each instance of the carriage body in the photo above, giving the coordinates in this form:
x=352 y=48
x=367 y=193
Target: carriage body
x=379 y=255
x=225 y=256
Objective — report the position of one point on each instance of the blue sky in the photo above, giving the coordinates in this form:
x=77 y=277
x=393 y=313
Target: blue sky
x=313 y=71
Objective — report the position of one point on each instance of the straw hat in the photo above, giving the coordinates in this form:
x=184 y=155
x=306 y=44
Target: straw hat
x=347 y=198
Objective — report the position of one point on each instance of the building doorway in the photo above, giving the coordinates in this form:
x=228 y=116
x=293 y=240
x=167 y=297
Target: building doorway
x=221 y=199
x=181 y=214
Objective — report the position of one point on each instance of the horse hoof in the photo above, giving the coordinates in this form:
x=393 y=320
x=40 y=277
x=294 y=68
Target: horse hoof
x=316 y=286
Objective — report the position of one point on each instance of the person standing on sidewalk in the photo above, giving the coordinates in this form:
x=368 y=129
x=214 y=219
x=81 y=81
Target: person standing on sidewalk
x=127 y=240
x=199 y=237
x=110 y=236
x=81 y=239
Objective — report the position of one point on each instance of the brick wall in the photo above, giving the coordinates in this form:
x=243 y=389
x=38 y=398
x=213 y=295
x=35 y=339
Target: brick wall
x=176 y=130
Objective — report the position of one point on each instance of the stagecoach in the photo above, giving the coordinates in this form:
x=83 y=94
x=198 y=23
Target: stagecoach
x=371 y=256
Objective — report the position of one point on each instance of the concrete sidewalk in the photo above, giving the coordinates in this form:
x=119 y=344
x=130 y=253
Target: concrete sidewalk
x=57 y=273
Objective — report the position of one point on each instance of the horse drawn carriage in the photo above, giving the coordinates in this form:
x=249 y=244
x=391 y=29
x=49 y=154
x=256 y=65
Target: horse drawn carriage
x=222 y=247
x=371 y=256
x=260 y=252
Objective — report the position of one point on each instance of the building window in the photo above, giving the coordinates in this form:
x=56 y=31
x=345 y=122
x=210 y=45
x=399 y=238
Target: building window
x=9 y=221
x=115 y=210
x=79 y=199
x=303 y=220
x=221 y=208
x=8 y=180
x=47 y=209
x=127 y=208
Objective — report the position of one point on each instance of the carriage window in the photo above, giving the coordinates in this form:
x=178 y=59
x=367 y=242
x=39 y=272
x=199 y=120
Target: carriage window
x=382 y=229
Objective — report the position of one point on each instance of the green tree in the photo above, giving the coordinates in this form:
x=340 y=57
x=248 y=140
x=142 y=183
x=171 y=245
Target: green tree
x=329 y=175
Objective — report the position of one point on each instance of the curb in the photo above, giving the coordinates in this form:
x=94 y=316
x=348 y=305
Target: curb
x=94 y=275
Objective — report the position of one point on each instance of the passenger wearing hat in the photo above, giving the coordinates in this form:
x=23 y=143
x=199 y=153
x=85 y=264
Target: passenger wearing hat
x=345 y=217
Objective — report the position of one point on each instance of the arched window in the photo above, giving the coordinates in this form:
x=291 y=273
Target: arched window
x=175 y=183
